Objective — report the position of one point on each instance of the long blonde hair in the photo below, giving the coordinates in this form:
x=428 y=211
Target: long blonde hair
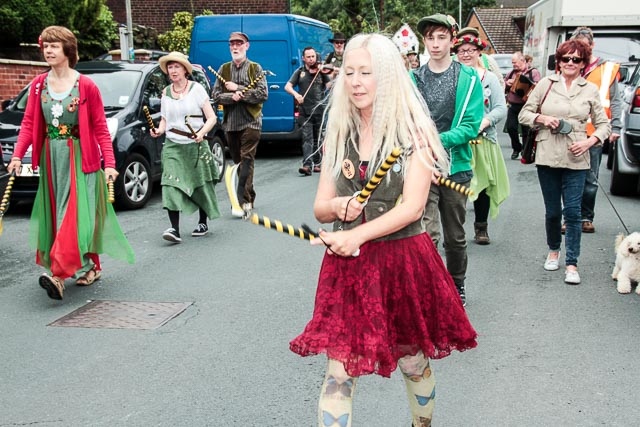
x=400 y=116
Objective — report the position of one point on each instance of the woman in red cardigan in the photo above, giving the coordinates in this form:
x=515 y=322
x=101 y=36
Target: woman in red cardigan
x=65 y=125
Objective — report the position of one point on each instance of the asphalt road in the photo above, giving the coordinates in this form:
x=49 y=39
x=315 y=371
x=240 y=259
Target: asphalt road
x=549 y=354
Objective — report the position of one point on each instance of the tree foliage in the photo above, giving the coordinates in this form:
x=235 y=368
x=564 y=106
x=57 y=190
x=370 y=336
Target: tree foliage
x=387 y=16
x=22 y=21
x=178 y=38
x=90 y=20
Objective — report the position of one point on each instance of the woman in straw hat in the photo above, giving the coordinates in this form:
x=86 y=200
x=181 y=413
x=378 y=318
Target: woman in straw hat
x=189 y=172
x=490 y=182
x=64 y=123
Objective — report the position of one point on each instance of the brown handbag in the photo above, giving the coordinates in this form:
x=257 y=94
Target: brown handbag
x=529 y=144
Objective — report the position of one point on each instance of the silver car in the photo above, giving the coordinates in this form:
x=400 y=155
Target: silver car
x=624 y=157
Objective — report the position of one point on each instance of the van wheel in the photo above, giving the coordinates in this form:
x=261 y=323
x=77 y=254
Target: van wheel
x=621 y=184
x=133 y=186
x=217 y=149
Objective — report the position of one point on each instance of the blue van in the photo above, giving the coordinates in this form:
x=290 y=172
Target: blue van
x=276 y=43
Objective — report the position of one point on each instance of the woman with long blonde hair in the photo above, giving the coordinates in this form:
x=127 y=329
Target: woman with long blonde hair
x=384 y=297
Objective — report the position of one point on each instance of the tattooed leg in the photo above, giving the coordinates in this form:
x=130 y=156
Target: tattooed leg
x=336 y=394
x=421 y=388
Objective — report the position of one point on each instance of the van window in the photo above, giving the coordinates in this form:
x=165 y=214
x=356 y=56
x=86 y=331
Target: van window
x=313 y=36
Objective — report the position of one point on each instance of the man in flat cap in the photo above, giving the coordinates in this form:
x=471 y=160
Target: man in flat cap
x=242 y=90
x=453 y=93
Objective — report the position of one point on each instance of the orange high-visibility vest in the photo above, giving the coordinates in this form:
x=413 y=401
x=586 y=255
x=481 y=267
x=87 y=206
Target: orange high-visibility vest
x=603 y=76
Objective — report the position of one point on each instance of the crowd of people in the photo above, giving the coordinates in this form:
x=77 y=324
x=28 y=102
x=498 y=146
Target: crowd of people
x=364 y=101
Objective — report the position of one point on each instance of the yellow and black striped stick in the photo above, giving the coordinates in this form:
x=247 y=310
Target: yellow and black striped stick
x=215 y=73
x=110 y=192
x=282 y=228
x=377 y=177
x=4 y=205
x=455 y=186
x=147 y=114
x=254 y=81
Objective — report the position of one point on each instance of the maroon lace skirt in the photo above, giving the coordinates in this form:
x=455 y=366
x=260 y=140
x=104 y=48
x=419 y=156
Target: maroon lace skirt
x=393 y=300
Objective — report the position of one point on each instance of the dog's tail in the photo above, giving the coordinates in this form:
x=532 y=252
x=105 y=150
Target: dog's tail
x=619 y=239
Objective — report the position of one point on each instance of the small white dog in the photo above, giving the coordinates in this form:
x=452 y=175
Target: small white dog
x=627 y=267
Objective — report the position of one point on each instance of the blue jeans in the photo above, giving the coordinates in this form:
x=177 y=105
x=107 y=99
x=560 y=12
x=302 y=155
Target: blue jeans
x=591 y=184
x=563 y=186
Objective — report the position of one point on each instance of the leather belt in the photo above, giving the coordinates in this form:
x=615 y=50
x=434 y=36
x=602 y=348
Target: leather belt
x=183 y=133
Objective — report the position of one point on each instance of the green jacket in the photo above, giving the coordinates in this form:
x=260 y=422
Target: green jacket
x=466 y=121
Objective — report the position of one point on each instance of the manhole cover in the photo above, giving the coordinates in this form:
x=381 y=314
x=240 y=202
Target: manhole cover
x=122 y=315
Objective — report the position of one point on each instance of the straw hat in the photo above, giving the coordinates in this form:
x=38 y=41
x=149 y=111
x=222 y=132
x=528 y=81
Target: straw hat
x=178 y=57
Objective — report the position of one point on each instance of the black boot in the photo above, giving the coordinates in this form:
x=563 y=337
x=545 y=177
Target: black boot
x=461 y=291
x=482 y=237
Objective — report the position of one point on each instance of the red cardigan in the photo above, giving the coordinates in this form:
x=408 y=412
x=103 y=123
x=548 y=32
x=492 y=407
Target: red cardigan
x=94 y=134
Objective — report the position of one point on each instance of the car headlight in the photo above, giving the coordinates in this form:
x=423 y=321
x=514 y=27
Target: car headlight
x=112 y=125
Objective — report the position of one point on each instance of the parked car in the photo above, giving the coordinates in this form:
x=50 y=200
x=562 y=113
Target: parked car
x=140 y=55
x=125 y=87
x=625 y=153
x=504 y=62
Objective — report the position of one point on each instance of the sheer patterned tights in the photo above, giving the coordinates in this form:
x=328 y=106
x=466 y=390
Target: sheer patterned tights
x=336 y=394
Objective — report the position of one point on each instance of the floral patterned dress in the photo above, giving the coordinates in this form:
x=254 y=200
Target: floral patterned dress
x=71 y=222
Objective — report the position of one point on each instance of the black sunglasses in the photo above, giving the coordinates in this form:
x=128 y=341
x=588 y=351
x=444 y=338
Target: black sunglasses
x=573 y=59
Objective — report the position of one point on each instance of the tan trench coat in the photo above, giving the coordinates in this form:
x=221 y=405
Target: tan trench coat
x=576 y=106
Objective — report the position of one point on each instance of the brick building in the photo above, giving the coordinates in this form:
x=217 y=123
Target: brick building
x=15 y=75
x=158 y=13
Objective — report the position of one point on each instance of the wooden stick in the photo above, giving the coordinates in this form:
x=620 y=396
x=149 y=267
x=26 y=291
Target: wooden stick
x=377 y=177
x=5 y=198
x=455 y=186
x=110 y=191
x=281 y=228
x=147 y=114
x=254 y=81
x=215 y=73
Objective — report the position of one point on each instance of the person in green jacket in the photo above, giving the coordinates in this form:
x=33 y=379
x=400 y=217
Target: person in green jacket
x=453 y=93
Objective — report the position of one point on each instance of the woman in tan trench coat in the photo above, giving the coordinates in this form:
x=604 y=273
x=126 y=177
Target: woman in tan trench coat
x=560 y=107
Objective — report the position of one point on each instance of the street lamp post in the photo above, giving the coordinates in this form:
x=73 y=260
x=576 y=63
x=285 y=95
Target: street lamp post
x=130 y=54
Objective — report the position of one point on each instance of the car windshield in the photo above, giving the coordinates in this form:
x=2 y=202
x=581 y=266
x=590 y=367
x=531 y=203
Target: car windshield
x=116 y=87
x=503 y=61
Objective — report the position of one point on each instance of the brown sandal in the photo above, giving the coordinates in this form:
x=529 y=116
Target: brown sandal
x=53 y=285
x=89 y=277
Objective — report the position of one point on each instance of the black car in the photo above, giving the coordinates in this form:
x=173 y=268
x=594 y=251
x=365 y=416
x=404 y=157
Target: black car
x=125 y=87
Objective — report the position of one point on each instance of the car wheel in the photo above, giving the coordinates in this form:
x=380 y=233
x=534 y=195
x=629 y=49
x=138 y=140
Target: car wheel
x=217 y=149
x=133 y=186
x=621 y=184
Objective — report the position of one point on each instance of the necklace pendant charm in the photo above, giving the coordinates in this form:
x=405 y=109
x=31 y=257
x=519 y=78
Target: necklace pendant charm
x=348 y=170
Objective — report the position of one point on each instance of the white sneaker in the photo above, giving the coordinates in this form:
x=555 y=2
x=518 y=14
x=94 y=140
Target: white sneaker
x=237 y=213
x=571 y=277
x=171 y=235
x=552 y=264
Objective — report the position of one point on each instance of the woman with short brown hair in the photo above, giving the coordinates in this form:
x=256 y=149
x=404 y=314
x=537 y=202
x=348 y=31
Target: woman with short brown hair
x=64 y=123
